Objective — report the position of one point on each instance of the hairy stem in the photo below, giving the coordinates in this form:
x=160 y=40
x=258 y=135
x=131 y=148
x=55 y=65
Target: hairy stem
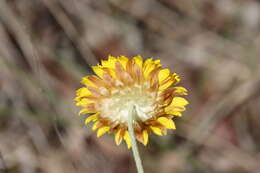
x=136 y=154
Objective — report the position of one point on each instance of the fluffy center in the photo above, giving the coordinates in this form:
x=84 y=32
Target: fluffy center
x=118 y=107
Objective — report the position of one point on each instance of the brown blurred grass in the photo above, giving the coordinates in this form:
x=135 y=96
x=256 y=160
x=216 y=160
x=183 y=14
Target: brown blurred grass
x=47 y=45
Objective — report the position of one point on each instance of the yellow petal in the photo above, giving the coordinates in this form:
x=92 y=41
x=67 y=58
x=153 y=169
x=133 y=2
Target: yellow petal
x=148 y=61
x=85 y=111
x=170 y=112
x=168 y=123
x=112 y=73
x=166 y=85
x=102 y=130
x=83 y=92
x=156 y=130
x=98 y=70
x=78 y=98
x=94 y=127
x=110 y=63
x=157 y=62
x=123 y=60
x=179 y=101
x=118 y=137
x=138 y=60
x=145 y=136
x=91 y=118
x=83 y=102
x=111 y=58
x=175 y=109
x=176 y=78
x=150 y=67
x=172 y=80
x=87 y=82
x=163 y=74
x=177 y=106
x=127 y=139
x=180 y=91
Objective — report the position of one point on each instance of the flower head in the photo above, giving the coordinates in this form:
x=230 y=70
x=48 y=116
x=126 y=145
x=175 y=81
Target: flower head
x=122 y=83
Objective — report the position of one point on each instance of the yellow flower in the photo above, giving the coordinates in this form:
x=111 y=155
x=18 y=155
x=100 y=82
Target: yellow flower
x=121 y=83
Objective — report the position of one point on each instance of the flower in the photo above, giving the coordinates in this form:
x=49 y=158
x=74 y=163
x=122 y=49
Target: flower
x=122 y=83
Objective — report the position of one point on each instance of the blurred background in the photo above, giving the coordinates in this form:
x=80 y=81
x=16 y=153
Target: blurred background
x=46 y=46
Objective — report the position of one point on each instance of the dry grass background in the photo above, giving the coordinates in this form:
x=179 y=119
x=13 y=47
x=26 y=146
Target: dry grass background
x=46 y=46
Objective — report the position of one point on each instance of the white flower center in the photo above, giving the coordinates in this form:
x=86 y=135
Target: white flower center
x=119 y=105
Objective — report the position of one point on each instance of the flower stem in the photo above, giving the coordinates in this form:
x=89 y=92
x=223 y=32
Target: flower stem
x=136 y=154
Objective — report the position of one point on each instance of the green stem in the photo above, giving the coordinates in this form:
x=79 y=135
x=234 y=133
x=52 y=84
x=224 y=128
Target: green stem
x=136 y=154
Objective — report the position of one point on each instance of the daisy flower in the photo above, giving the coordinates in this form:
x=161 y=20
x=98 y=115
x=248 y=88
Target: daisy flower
x=121 y=84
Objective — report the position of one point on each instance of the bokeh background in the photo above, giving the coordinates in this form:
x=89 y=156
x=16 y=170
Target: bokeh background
x=46 y=46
